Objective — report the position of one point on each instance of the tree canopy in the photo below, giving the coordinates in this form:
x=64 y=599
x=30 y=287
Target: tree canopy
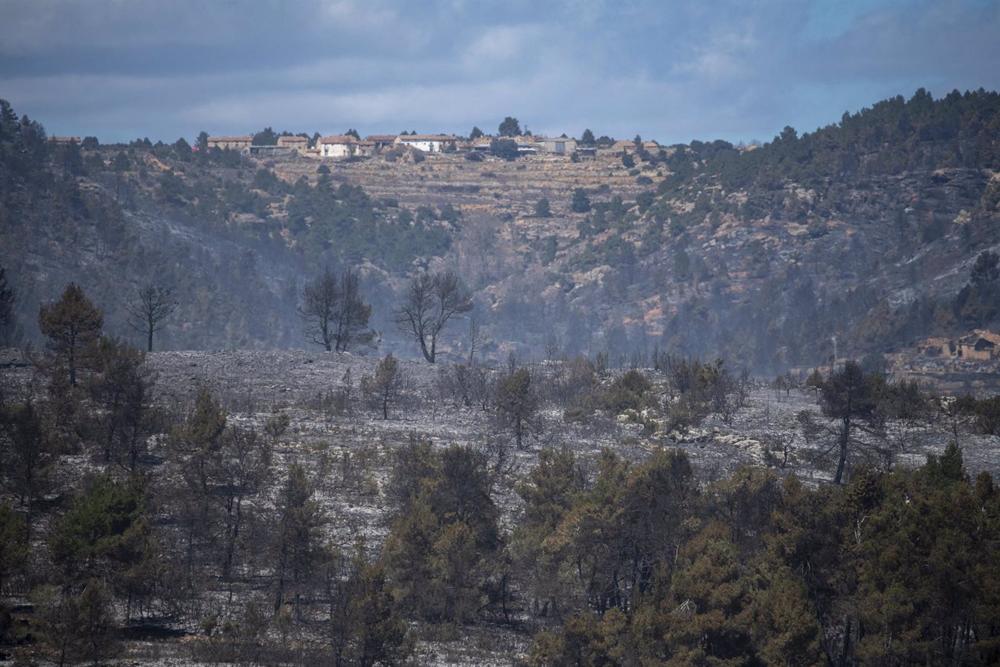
x=509 y=127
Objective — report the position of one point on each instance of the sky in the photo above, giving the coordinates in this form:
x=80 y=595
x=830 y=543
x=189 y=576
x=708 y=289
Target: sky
x=666 y=70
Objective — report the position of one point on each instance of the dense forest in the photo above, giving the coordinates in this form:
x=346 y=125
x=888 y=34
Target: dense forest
x=892 y=137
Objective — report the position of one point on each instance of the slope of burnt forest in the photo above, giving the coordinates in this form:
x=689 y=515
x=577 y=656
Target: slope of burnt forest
x=864 y=232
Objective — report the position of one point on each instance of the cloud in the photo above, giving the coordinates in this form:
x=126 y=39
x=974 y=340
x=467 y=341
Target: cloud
x=502 y=44
x=673 y=71
x=723 y=57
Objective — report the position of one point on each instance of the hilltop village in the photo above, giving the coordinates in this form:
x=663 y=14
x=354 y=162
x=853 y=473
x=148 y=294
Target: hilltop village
x=351 y=145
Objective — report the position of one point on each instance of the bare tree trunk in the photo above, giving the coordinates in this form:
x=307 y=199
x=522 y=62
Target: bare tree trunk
x=428 y=354
x=133 y=452
x=28 y=516
x=845 y=436
x=847 y=643
x=279 y=598
x=234 y=535
x=473 y=338
x=72 y=362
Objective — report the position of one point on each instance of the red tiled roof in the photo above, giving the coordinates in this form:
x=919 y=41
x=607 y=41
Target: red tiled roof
x=338 y=139
x=427 y=137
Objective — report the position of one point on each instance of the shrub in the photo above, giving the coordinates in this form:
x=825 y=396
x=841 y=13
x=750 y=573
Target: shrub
x=504 y=148
x=542 y=208
x=630 y=391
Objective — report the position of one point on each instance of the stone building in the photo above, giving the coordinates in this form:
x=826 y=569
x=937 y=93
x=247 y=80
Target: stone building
x=338 y=146
x=293 y=143
x=980 y=345
x=557 y=146
x=381 y=142
x=233 y=143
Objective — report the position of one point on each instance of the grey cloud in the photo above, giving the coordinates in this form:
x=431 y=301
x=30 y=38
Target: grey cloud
x=673 y=71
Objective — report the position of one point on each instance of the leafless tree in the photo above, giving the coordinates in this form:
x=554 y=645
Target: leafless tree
x=552 y=346
x=431 y=300
x=336 y=317
x=475 y=336
x=319 y=305
x=8 y=297
x=149 y=309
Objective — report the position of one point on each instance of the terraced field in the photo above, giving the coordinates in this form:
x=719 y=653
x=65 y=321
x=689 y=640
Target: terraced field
x=492 y=186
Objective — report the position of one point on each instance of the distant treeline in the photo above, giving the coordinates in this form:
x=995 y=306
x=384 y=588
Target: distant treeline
x=893 y=136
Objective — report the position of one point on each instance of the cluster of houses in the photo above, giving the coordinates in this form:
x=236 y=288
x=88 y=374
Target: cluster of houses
x=980 y=345
x=348 y=146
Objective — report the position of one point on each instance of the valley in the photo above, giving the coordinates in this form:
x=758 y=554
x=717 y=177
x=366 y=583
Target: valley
x=485 y=408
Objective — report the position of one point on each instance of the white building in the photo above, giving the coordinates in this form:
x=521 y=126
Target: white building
x=428 y=143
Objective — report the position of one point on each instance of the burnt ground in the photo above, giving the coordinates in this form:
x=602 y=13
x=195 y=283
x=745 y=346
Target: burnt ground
x=324 y=427
x=253 y=385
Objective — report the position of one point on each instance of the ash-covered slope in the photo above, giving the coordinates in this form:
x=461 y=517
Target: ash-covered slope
x=864 y=231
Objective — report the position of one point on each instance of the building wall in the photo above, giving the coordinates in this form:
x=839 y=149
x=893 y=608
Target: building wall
x=560 y=146
x=426 y=146
x=232 y=145
x=971 y=353
x=335 y=150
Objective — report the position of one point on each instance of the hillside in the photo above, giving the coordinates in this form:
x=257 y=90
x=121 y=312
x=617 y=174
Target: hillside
x=865 y=231
x=201 y=579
